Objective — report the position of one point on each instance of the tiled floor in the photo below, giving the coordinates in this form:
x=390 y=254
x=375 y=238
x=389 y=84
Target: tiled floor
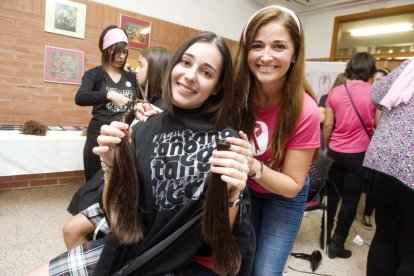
x=31 y=222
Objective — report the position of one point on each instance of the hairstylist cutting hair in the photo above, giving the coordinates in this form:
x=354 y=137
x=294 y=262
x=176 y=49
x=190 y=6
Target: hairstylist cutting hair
x=282 y=122
x=108 y=88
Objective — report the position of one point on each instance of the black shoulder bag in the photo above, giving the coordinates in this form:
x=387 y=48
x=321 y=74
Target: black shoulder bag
x=356 y=110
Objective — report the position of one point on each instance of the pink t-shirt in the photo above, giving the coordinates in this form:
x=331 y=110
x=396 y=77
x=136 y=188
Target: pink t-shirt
x=306 y=134
x=349 y=135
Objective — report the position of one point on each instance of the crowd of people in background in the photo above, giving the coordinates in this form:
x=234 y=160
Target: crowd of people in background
x=188 y=186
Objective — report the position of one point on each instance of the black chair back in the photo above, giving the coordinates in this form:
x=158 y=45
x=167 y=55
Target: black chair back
x=318 y=176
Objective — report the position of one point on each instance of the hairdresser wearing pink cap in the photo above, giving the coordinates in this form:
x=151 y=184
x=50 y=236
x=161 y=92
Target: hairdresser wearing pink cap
x=108 y=88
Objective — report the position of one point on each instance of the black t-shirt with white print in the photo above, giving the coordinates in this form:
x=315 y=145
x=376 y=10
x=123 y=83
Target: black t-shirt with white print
x=108 y=112
x=171 y=155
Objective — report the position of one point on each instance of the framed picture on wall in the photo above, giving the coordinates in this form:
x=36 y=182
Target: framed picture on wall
x=138 y=31
x=65 y=17
x=63 y=65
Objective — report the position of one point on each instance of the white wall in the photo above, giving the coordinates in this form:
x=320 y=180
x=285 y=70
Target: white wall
x=228 y=17
x=224 y=17
x=318 y=26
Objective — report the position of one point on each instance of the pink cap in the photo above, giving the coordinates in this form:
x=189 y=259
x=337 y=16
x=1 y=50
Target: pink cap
x=284 y=9
x=113 y=36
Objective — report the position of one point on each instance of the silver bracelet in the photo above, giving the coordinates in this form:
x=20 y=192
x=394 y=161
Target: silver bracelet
x=236 y=203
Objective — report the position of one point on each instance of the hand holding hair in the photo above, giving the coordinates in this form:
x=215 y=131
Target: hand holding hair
x=145 y=110
x=120 y=182
x=232 y=167
x=110 y=136
x=243 y=146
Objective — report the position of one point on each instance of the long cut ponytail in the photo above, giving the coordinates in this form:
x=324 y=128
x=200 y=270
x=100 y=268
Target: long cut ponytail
x=216 y=229
x=121 y=200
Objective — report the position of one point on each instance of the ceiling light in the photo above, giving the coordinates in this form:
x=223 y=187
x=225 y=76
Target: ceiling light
x=383 y=29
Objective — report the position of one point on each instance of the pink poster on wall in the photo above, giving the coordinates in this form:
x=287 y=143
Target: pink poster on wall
x=321 y=75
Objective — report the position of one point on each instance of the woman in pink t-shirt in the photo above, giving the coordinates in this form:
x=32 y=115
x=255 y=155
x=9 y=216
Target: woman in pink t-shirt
x=347 y=143
x=282 y=123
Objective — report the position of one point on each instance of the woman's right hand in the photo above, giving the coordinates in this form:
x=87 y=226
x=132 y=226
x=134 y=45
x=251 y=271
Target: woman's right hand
x=145 y=110
x=110 y=136
x=118 y=99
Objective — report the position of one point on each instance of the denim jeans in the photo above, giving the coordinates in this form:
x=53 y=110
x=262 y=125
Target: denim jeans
x=276 y=221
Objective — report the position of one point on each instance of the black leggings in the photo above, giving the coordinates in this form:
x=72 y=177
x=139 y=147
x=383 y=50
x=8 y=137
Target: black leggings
x=369 y=206
x=91 y=161
x=346 y=174
x=392 y=248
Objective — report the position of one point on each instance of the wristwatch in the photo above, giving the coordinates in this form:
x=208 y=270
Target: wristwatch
x=259 y=173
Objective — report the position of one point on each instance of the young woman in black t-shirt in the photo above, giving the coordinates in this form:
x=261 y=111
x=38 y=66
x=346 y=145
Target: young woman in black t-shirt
x=108 y=88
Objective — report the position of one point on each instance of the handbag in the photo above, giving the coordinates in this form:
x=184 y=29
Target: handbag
x=356 y=110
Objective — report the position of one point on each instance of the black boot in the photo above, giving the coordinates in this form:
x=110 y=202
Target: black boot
x=336 y=248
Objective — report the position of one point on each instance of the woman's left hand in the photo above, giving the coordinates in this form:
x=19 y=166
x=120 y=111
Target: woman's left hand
x=145 y=110
x=232 y=166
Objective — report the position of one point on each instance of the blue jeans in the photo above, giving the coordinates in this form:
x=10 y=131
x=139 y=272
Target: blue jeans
x=276 y=221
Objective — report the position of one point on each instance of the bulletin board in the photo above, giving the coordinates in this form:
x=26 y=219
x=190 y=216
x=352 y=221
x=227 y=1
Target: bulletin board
x=321 y=75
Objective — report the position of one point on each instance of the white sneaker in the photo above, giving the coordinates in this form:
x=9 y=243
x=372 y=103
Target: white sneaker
x=366 y=222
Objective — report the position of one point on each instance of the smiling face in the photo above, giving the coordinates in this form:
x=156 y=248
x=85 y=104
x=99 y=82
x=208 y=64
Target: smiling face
x=194 y=78
x=271 y=54
x=142 y=69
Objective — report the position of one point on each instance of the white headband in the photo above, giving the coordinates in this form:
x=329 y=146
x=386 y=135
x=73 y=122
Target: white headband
x=284 y=9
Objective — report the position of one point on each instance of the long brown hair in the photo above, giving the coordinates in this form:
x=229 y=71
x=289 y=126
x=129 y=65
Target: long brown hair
x=158 y=58
x=291 y=98
x=122 y=194
x=121 y=201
